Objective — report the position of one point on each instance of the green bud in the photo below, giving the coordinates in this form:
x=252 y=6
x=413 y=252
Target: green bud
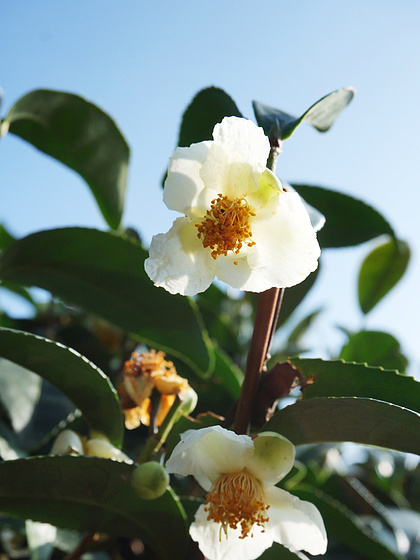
x=273 y=457
x=149 y=480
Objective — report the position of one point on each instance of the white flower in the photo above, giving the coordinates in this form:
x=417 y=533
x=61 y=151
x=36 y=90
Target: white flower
x=239 y=224
x=244 y=512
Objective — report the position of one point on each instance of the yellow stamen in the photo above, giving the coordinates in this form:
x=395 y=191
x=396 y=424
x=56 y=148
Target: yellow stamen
x=237 y=500
x=226 y=226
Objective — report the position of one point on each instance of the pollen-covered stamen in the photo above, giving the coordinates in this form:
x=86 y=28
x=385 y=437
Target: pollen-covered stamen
x=237 y=500
x=226 y=226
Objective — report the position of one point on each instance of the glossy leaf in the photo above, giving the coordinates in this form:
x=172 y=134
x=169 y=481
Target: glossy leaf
x=381 y=270
x=103 y=273
x=361 y=420
x=78 y=378
x=208 y=108
x=349 y=221
x=341 y=379
x=321 y=115
x=80 y=135
x=374 y=348
x=345 y=527
x=89 y=494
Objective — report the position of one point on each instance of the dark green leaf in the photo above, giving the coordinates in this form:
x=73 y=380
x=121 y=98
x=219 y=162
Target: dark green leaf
x=103 y=273
x=6 y=238
x=208 y=108
x=321 y=115
x=345 y=527
x=376 y=349
x=360 y=420
x=381 y=271
x=80 y=380
x=94 y=495
x=227 y=373
x=340 y=379
x=279 y=552
x=80 y=135
x=349 y=221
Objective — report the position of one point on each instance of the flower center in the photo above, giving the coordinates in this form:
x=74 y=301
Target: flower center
x=237 y=499
x=226 y=226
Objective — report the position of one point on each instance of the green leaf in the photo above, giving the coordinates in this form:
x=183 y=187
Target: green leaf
x=279 y=552
x=208 y=108
x=227 y=373
x=376 y=349
x=361 y=420
x=341 y=379
x=94 y=495
x=6 y=238
x=80 y=135
x=104 y=273
x=321 y=115
x=78 y=378
x=345 y=527
x=349 y=221
x=381 y=270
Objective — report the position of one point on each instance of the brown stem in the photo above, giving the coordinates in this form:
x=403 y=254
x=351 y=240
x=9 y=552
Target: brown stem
x=264 y=327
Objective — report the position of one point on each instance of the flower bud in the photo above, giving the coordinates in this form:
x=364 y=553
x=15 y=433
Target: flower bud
x=101 y=447
x=66 y=443
x=189 y=401
x=149 y=480
x=273 y=457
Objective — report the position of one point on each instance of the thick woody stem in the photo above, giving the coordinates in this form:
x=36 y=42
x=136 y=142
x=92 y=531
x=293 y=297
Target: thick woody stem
x=264 y=327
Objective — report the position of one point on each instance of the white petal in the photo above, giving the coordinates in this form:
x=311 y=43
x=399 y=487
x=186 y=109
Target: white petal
x=178 y=261
x=214 y=544
x=295 y=523
x=273 y=457
x=236 y=275
x=316 y=217
x=243 y=140
x=208 y=453
x=184 y=189
x=286 y=249
x=236 y=157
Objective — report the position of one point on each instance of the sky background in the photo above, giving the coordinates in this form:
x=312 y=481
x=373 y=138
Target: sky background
x=143 y=61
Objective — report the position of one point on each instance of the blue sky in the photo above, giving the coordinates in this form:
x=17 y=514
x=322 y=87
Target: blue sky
x=143 y=61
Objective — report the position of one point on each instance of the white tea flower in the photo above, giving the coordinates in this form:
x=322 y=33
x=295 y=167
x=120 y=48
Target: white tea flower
x=238 y=223
x=244 y=512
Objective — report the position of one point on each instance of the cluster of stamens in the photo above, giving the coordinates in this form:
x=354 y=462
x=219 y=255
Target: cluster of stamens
x=226 y=226
x=237 y=500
